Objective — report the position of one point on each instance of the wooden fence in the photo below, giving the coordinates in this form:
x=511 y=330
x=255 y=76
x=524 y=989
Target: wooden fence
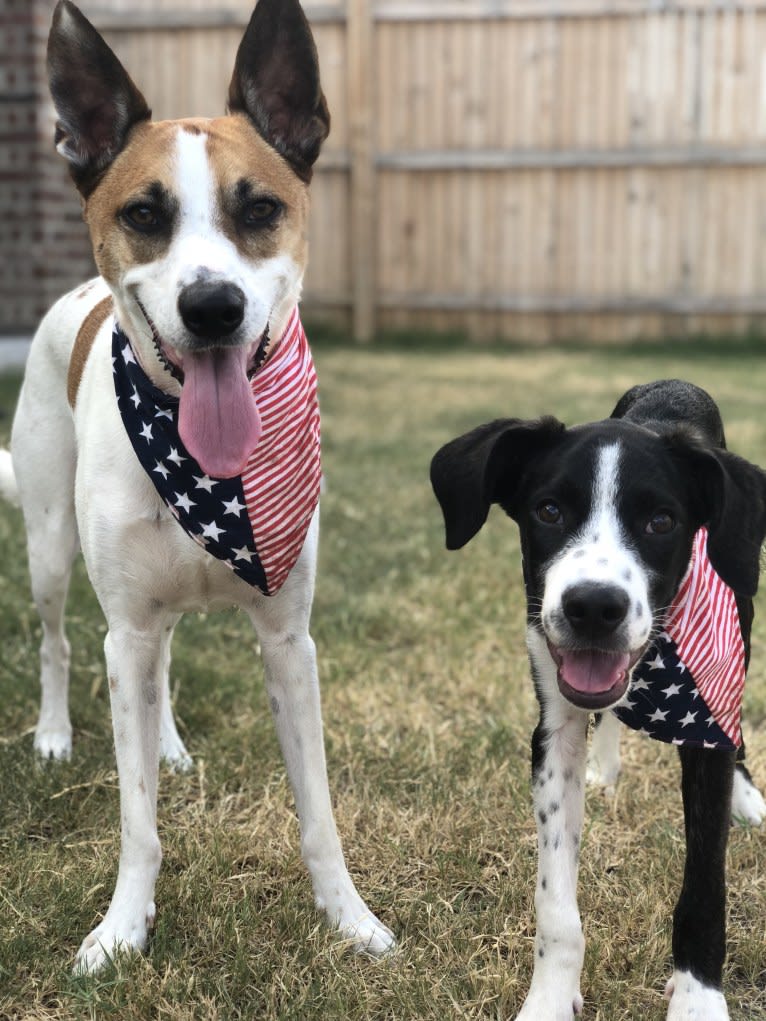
x=518 y=168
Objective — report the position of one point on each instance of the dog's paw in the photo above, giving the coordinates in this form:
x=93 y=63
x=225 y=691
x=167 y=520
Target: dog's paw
x=368 y=935
x=603 y=768
x=598 y=775
x=174 y=754
x=357 y=925
x=747 y=805
x=550 y=1006
x=691 y=1001
x=120 y=932
x=53 y=743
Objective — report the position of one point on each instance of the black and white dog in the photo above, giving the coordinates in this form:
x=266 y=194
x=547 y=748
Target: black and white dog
x=641 y=537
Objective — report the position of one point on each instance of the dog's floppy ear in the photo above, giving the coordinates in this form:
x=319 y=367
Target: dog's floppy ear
x=276 y=83
x=730 y=495
x=95 y=99
x=484 y=467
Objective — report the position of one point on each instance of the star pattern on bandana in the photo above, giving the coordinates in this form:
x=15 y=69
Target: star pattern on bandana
x=212 y=511
x=665 y=703
x=257 y=522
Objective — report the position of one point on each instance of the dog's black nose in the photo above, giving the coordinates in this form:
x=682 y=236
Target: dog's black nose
x=595 y=610
x=211 y=310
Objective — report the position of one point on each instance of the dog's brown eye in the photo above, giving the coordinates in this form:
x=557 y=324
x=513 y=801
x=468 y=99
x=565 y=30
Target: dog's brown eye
x=548 y=512
x=261 y=212
x=143 y=218
x=660 y=524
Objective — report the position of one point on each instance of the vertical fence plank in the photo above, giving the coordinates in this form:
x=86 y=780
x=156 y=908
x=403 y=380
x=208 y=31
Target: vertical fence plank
x=359 y=35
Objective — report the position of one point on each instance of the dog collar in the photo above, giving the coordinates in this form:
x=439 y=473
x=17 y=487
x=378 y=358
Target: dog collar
x=256 y=522
x=688 y=687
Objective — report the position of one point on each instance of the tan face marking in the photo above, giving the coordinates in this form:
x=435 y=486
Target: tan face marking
x=237 y=154
x=240 y=156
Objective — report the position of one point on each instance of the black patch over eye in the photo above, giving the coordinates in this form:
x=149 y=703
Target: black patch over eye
x=661 y=523
x=261 y=212
x=144 y=217
x=548 y=512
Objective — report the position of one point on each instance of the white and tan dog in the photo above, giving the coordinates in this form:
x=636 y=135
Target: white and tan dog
x=199 y=233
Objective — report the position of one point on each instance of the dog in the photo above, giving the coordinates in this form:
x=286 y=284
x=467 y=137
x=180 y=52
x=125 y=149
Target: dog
x=199 y=233
x=636 y=532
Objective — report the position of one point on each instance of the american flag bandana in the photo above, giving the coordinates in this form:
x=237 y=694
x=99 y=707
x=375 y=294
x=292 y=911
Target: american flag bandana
x=687 y=689
x=256 y=523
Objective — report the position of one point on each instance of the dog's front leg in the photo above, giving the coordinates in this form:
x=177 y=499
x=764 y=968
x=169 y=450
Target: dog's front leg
x=699 y=923
x=558 y=781
x=134 y=668
x=293 y=687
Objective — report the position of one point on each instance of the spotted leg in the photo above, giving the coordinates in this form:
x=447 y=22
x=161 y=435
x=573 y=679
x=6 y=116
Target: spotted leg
x=134 y=667
x=558 y=780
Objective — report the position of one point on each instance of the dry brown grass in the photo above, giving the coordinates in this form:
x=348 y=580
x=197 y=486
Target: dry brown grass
x=428 y=713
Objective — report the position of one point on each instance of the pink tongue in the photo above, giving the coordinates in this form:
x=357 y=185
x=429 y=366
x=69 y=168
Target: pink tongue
x=218 y=418
x=592 y=672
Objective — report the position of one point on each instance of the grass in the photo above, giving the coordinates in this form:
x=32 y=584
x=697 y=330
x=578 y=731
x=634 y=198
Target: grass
x=428 y=712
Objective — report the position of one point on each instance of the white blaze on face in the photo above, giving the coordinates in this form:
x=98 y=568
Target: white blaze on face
x=218 y=418
x=201 y=248
x=600 y=554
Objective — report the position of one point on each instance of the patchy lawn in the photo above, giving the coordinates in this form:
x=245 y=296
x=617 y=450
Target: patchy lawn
x=428 y=713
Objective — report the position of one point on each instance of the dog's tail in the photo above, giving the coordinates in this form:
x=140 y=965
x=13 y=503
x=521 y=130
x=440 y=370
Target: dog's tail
x=9 y=490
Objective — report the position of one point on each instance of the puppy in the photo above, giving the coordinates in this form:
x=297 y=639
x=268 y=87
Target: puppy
x=168 y=425
x=641 y=538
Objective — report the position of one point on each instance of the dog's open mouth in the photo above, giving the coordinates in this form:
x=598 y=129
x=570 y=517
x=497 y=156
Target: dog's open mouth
x=218 y=418
x=593 y=678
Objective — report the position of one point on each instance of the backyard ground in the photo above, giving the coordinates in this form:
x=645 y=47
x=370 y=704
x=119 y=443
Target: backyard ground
x=428 y=713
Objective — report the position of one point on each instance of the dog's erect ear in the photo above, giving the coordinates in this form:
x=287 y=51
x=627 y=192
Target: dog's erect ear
x=276 y=83
x=730 y=497
x=96 y=101
x=484 y=467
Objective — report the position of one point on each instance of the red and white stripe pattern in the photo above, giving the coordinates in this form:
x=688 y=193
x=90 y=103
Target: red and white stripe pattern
x=282 y=478
x=703 y=622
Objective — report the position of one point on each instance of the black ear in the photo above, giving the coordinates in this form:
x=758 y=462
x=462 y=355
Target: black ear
x=731 y=500
x=96 y=101
x=484 y=467
x=276 y=83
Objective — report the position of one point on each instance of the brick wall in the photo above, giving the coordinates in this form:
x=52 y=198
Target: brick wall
x=44 y=247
